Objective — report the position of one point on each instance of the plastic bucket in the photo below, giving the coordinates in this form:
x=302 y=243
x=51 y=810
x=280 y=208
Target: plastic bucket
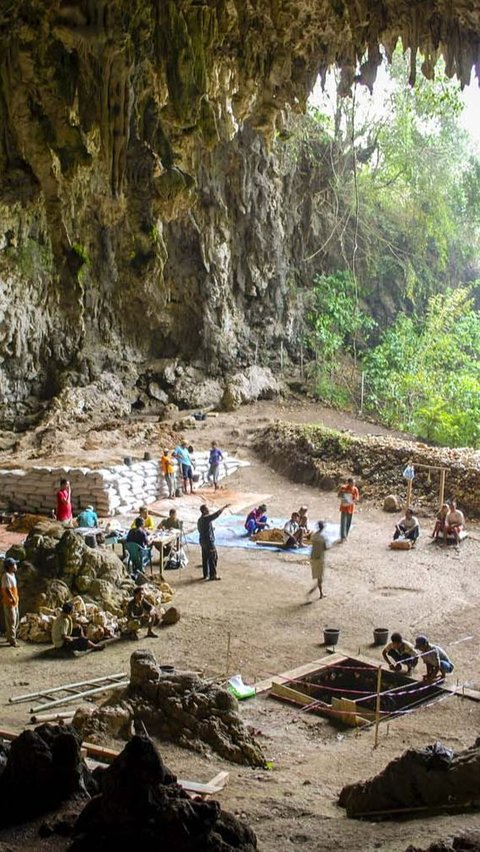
x=147 y=457
x=331 y=636
x=128 y=461
x=380 y=636
x=166 y=670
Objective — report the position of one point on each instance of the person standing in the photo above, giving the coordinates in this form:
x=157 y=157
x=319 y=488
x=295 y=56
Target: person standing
x=10 y=600
x=349 y=497
x=207 y=541
x=317 y=558
x=168 y=473
x=64 y=501
x=214 y=459
x=182 y=455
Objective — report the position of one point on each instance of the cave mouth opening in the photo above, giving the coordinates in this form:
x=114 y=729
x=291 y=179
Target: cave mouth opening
x=347 y=690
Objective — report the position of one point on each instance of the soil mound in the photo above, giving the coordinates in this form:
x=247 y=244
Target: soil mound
x=419 y=778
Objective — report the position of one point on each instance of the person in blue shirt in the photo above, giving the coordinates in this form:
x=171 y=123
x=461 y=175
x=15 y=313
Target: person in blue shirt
x=214 y=459
x=88 y=518
x=182 y=455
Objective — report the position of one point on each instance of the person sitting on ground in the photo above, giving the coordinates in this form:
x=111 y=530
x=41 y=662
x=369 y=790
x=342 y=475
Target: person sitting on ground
x=148 y=521
x=182 y=455
x=138 y=534
x=401 y=652
x=303 y=518
x=88 y=518
x=440 y=522
x=214 y=459
x=256 y=520
x=454 y=523
x=141 y=613
x=65 y=635
x=292 y=532
x=168 y=472
x=437 y=661
x=408 y=527
x=170 y=523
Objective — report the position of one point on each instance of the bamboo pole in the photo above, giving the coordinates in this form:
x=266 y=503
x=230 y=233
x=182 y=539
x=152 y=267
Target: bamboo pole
x=53 y=717
x=27 y=696
x=441 y=491
x=377 y=705
x=409 y=492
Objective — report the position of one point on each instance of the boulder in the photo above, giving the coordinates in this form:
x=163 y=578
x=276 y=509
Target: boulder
x=171 y=616
x=253 y=383
x=391 y=503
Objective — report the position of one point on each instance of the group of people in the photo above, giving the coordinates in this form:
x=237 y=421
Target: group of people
x=399 y=653
x=182 y=455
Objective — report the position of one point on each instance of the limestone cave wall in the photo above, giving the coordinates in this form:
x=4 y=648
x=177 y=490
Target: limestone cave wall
x=143 y=214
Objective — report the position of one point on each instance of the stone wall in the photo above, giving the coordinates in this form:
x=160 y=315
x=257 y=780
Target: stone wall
x=112 y=490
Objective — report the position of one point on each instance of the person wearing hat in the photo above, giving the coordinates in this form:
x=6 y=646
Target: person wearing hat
x=10 y=600
x=437 y=661
x=400 y=652
x=88 y=518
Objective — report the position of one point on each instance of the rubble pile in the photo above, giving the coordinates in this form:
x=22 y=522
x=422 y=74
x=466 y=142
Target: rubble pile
x=39 y=770
x=134 y=803
x=142 y=807
x=429 y=778
x=57 y=566
x=320 y=456
x=180 y=708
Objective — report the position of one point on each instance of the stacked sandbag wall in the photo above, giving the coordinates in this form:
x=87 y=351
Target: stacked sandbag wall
x=114 y=490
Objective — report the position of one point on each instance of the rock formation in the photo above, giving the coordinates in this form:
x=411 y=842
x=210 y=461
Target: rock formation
x=176 y=707
x=145 y=231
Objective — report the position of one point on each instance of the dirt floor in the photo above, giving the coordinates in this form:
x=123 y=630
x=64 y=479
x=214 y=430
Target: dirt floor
x=262 y=603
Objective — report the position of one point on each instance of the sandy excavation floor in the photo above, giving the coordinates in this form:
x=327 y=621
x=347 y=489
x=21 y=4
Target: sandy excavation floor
x=261 y=602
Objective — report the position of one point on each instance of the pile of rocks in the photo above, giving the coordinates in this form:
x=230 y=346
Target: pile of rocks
x=114 y=490
x=134 y=803
x=468 y=841
x=180 y=708
x=428 y=778
x=320 y=456
x=57 y=566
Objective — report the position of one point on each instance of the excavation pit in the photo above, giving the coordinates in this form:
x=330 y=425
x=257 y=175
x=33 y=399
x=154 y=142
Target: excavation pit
x=346 y=691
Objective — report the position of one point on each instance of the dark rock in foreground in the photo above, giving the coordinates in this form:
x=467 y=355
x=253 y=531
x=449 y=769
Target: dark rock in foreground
x=141 y=806
x=427 y=778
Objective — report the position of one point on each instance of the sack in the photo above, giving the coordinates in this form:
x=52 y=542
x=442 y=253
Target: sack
x=176 y=560
x=400 y=544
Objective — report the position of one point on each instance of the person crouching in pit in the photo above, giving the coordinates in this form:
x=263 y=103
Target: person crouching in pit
x=140 y=613
x=399 y=652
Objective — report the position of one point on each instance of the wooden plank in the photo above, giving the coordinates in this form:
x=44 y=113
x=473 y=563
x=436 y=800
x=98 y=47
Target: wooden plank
x=281 y=691
x=300 y=671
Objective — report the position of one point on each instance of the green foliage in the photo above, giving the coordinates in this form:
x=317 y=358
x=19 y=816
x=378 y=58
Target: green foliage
x=335 y=322
x=424 y=376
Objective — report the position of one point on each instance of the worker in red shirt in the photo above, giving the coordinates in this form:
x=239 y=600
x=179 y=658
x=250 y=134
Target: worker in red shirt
x=64 y=501
x=349 y=496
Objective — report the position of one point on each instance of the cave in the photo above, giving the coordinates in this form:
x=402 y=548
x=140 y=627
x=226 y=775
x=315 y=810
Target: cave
x=345 y=691
x=146 y=224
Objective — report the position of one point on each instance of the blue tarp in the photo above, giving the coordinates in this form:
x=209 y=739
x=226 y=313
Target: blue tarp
x=230 y=532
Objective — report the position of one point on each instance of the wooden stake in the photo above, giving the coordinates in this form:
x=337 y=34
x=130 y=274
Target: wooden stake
x=377 y=704
x=409 y=492
x=227 y=666
x=441 y=492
